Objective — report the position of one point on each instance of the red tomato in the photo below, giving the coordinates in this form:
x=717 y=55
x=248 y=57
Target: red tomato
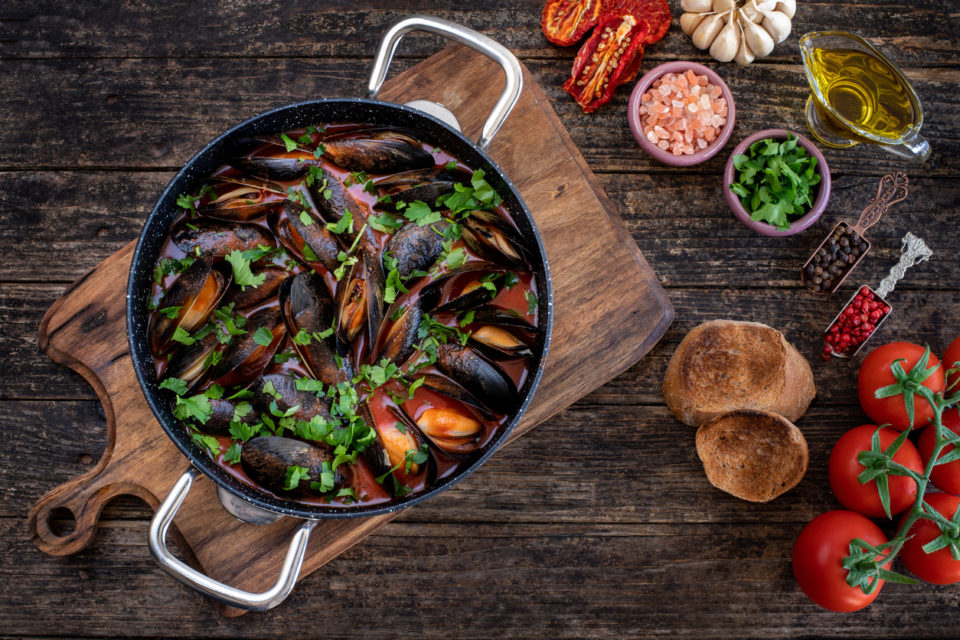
x=875 y=374
x=945 y=477
x=938 y=567
x=819 y=551
x=950 y=359
x=864 y=498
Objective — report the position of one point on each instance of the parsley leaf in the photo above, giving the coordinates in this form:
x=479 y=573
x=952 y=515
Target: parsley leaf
x=531 y=302
x=176 y=385
x=294 y=475
x=263 y=337
x=193 y=408
x=181 y=336
x=288 y=143
x=419 y=212
x=242 y=275
x=232 y=455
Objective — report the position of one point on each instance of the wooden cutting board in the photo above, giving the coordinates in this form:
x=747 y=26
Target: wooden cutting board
x=610 y=310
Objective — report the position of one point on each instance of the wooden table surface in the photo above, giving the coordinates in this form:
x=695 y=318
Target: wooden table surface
x=600 y=523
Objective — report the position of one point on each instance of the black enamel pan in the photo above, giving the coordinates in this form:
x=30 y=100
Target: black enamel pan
x=250 y=504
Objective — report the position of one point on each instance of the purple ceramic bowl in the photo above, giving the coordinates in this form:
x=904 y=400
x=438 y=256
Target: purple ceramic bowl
x=798 y=225
x=666 y=157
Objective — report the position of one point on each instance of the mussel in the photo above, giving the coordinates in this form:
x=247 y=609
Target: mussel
x=191 y=299
x=222 y=413
x=400 y=338
x=267 y=458
x=491 y=238
x=360 y=299
x=307 y=307
x=501 y=334
x=415 y=247
x=244 y=359
x=239 y=203
x=216 y=239
x=191 y=361
x=392 y=446
x=451 y=430
x=273 y=167
x=287 y=396
x=424 y=185
x=334 y=201
x=474 y=290
x=377 y=152
x=248 y=297
x=484 y=380
x=305 y=236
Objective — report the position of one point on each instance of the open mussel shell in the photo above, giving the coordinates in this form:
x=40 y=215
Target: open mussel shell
x=306 y=306
x=244 y=359
x=273 y=168
x=249 y=297
x=308 y=403
x=424 y=185
x=456 y=433
x=310 y=243
x=415 y=247
x=491 y=238
x=239 y=203
x=215 y=238
x=266 y=460
x=333 y=202
x=484 y=380
x=498 y=333
x=472 y=295
x=197 y=291
x=391 y=447
x=359 y=299
x=190 y=362
x=377 y=152
x=452 y=389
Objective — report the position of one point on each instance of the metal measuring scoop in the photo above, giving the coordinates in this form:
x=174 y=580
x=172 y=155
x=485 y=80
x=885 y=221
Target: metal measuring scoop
x=892 y=189
x=913 y=250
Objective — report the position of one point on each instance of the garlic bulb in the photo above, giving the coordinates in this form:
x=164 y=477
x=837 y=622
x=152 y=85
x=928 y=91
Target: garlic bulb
x=737 y=33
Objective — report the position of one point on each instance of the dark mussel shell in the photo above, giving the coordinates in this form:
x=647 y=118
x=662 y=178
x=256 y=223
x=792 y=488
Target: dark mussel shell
x=360 y=299
x=491 y=238
x=400 y=339
x=266 y=459
x=249 y=297
x=307 y=306
x=221 y=415
x=190 y=362
x=273 y=168
x=334 y=201
x=453 y=389
x=423 y=185
x=244 y=359
x=309 y=403
x=197 y=291
x=295 y=235
x=483 y=379
x=241 y=203
x=377 y=152
x=415 y=247
x=454 y=432
x=471 y=296
x=217 y=239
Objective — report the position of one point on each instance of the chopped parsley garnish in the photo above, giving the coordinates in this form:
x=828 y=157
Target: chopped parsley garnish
x=243 y=431
x=166 y=266
x=214 y=392
x=385 y=223
x=242 y=274
x=306 y=218
x=232 y=454
x=419 y=211
x=193 y=408
x=393 y=286
x=176 y=385
x=263 y=337
x=294 y=475
x=345 y=223
x=171 y=312
x=182 y=336
x=209 y=443
x=296 y=195
x=450 y=165
x=290 y=145
x=531 y=302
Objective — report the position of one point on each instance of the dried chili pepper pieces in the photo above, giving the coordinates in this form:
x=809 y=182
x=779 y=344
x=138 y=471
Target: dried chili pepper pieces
x=609 y=57
x=565 y=21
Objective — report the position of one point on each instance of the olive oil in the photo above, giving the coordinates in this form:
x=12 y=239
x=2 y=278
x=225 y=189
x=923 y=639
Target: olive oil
x=864 y=91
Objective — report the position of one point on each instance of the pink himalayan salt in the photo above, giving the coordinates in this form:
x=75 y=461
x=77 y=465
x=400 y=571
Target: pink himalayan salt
x=682 y=113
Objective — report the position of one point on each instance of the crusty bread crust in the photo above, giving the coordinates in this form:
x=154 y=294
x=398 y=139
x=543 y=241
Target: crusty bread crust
x=753 y=455
x=723 y=365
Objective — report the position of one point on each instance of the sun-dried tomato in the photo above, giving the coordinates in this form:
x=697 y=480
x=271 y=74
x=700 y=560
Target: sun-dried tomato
x=610 y=57
x=565 y=21
x=655 y=12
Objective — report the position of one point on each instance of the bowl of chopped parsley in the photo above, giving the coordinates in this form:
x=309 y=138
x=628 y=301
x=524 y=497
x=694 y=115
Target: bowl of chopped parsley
x=776 y=182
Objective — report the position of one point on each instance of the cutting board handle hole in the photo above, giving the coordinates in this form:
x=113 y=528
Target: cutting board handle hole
x=61 y=522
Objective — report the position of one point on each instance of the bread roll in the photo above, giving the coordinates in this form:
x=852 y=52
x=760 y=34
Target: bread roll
x=753 y=455
x=723 y=365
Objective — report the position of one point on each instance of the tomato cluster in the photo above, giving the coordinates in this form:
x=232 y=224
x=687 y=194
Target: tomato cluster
x=895 y=372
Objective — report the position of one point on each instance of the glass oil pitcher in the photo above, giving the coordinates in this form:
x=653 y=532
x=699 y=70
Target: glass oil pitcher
x=858 y=95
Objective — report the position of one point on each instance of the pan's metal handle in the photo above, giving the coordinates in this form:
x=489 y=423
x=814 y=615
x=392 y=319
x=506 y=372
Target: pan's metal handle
x=207 y=585
x=463 y=35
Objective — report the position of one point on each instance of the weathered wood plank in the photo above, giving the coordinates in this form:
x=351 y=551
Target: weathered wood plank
x=317 y=29
x=512 y=581
x=155 y=113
